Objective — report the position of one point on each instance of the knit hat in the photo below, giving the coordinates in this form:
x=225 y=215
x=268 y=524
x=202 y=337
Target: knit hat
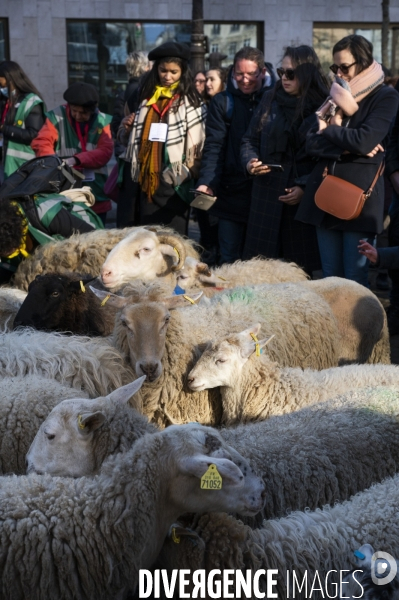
x=170 y=50
x=81 y=94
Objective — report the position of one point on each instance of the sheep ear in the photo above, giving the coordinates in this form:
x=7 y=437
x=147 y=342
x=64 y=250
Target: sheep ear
x=211 y=278
x=198 y=465
x=123 y=394
x=203 y=269
x=181 y=300
x=108 y=298
x=246 y=341
x=88 y=422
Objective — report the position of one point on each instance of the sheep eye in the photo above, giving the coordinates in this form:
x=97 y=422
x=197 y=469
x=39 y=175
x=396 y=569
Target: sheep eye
x=55 y=294
x=219 y=360
x=50 y=436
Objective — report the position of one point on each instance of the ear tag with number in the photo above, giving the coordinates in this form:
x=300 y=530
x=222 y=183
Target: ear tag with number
x=158 y=132
x=211 y=479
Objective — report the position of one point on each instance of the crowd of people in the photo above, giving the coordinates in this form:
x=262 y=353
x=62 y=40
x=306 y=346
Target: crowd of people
x=258 y=146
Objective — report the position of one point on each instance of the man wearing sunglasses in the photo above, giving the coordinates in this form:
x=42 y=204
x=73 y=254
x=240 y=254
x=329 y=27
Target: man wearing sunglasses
x=221 y=174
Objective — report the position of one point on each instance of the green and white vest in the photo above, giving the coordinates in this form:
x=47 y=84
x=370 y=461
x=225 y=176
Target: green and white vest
x=68 y=144
x=17 y=153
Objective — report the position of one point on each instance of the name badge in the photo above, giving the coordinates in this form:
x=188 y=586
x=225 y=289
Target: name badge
x=158 y=132
x=89 y=175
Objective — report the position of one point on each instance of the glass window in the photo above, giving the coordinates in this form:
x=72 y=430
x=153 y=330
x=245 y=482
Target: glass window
x=325 y=36
x=97 y=50
x=247 y=42
x=4 y=53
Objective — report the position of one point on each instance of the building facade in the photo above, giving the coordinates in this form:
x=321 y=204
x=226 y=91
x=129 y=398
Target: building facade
x=58 y=42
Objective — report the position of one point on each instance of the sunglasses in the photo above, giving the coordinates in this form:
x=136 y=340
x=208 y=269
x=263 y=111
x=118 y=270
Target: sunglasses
x=343 y=68
x=289 y=73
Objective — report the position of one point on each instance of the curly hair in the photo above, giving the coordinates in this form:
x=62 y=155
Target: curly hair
x=186 y=86
x=12 y=224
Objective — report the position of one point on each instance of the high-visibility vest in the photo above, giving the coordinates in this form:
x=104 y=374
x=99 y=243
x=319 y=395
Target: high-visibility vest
x=47 y=207
x=68 y=144
x=17 y=153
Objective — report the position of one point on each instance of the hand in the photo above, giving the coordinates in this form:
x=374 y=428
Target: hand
x=368 y=251
x=322 y=125
x=375 y=150
x=293 y=195
x=205 y=189
x=394 y=178
x=71 y=162
x=128 y=121
x=256 y=167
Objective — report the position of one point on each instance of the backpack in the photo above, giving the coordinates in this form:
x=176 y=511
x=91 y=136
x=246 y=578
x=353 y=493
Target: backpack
x=43 y=175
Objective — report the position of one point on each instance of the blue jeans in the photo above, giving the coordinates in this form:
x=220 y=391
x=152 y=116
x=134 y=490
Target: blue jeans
x=340 y=256
x=231 y=240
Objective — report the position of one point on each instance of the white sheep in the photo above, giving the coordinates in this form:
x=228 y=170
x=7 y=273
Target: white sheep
x=89 y=364
x=63 y=539
x=163 y=345
x=197 y=275
x=25 y=402
x=85 y=253
x=255 y=388
x=11 y=300
x=78 y=435
x=318 y=455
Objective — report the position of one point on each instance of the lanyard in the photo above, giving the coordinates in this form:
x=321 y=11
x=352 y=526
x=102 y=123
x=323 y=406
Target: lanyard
x=5 y=111
x=82 y=138
x=165 y=110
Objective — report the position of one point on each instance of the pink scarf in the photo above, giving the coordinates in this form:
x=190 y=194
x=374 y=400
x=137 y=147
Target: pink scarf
x=345 y=96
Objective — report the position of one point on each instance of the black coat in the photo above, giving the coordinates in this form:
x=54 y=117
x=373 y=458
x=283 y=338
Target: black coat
x=221 y=168
x=368 y=127
x=272 y=230
x=392 y=152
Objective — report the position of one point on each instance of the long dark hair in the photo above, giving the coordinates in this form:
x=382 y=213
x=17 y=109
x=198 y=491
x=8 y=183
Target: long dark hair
x=186 y=86
x=360 y=48
x=14 y=74
x=313 y=84
x=222 y=76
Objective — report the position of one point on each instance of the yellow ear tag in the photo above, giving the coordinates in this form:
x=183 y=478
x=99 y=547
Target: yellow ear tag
x=99 y=131
x=107 y=297
x=175 y=538
x=82 y=287
x=189 y=299
x=222 y=278
x=258 y=350
x=80 y=424
x=211 y=479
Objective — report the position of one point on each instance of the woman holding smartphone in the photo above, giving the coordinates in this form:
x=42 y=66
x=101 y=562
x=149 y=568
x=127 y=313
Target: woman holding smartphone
x=276 y=136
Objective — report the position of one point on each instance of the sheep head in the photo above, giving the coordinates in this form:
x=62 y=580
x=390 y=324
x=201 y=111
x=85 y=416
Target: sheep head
x=65 y=444
x=195 y=274
x=143 y=322
x=143 y=254
x=222 y=361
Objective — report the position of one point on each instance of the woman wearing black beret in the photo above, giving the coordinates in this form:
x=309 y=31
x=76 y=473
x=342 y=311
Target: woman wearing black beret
x=167 y=137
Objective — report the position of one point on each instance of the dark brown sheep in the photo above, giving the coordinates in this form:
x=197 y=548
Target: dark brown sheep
x=65 y=303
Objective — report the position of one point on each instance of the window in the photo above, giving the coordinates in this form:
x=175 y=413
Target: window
x=247 y=42
x=97 y=49
x=4 y=51
x=232 y=48
x=326 y=35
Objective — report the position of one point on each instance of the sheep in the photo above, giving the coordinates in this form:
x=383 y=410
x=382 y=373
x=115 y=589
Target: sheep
x=63 y=539
x=361 y=320
x=85 y=253
x=88 y=364
x=163 y=344
x=197 y=275
x=78 y=435
x=254 y=388
x=24 y=403
x=10 y=302
x=64 y=302
x=318 y=455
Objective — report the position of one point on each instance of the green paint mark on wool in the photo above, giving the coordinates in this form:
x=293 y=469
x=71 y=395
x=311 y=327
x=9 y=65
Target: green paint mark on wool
x=384 y=400
x=243 y=295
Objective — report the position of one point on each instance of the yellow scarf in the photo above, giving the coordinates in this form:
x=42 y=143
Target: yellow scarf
x=22 y=249
x=166 y=92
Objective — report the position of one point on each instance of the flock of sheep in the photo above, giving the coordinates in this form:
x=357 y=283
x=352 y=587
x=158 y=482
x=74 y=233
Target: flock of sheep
x=119 y=392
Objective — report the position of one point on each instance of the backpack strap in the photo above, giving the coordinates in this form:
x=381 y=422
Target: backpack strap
x=229 y=107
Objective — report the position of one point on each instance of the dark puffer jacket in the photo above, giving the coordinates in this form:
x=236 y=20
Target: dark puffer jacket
x=221 y=168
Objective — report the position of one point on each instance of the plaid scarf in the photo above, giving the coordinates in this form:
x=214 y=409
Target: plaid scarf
x=150 y=153
x=184 y=144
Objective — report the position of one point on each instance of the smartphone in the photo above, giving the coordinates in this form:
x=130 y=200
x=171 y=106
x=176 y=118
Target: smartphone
x=200 y=193
x=275 y=167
